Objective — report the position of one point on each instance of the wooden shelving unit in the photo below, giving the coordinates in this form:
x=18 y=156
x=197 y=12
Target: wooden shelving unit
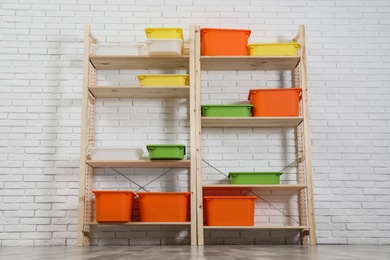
x=91 y=91
x=194 y=63
x=304 y=189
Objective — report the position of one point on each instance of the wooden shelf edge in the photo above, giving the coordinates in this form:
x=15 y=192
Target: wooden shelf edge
x=259 y=227
x=140 y=92
x=264 y=122
x=296 y=187
x=140 y=223
x=249 y=62
x=141 y=62
x=139 y=163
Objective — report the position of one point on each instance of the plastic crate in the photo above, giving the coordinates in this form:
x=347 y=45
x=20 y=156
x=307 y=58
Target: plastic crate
x=275 y=102
x=164 y=47
x=166 y=151
x=165 y=33
x=156 y=80
x=255 y=177
x=237 y=110
x=274 y=49
x=113 y=205
x=163 y=206
x=224 y=42
x=229 y=210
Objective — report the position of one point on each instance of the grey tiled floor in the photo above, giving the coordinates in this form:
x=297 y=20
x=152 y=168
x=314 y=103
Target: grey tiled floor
x=321 y=252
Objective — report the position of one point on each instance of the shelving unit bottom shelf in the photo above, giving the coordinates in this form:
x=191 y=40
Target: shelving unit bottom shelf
x=259 y=227
x=142 y=223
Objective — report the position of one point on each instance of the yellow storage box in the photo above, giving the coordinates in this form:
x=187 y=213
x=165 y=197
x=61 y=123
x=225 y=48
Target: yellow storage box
x=274 y=49
x=164 y=33
x=166 y=80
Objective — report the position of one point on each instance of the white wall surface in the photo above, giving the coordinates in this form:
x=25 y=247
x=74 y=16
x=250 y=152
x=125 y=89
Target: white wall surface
x=41 y=46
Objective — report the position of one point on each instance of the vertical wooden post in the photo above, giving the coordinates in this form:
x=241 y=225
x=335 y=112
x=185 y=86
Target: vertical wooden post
x=193 y=142
x=83 y=139
x=198 y=140
x=306 y=132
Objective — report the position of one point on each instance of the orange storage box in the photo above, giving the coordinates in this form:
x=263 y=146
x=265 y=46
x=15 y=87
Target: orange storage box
x=229 y=210
x=224 y=42
x=113 y=205
x=275 y=102
x=163 y=206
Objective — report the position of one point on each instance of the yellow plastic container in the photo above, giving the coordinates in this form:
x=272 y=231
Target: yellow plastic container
x=164 y=80
x=274 y=49
x=165 y=33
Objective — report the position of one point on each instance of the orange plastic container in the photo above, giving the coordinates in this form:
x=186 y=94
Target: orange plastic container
x=113 y=205
x=275 y=102
x=229 y=210
x=224 y=42
x=163 y=206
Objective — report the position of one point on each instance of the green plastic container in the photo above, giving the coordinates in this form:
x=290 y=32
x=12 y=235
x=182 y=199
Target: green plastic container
x=166 y=151
x=234 y=110
x=255 y=177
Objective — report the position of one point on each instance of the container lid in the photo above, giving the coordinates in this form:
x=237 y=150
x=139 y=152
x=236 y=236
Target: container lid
x=162 y=75
x=112 y=191
x=225 y=29
x=229 y=105
x=253 y=91
x=163 y=39
x=273 y=43
x=229 y=197
x=151 y=146
x=254 y=173
x=143 y=193
x=149 y=30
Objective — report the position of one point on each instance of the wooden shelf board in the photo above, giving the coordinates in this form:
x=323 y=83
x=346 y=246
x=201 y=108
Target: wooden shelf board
x=141 y=62
x=259 y=227
x=249 y=62
x=139 y=164
x=139 y=92
x=294 y=187
x=140 y=223
x=251 y=121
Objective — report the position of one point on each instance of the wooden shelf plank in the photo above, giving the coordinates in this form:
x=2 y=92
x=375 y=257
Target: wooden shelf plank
x=249 y=62
x=140 y=223
x=142 y=62
x=251 y=121
x=293 y=187
x=259 y=227
x=140 y=92
x=139 y=164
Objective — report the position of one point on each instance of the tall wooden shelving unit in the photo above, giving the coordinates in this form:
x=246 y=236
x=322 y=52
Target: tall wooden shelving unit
x=195 y=63
x=304 y=189
x=91 y=92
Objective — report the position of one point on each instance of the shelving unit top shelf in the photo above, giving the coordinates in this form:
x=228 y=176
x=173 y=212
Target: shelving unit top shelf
x=139 y=92
x=249 y=62
x=251 y=121
x=139 y=163
x=138 y=62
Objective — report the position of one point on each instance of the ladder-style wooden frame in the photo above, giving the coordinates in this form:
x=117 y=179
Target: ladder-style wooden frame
x=195 y=64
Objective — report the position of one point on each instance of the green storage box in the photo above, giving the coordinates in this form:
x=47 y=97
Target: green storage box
x=234 y=110
x=166 y=151
x=255 y=177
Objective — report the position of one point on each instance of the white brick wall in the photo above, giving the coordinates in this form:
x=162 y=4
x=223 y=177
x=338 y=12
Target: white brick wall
x=40 y=94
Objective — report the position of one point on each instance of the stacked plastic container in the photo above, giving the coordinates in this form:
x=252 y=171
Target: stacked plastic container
x=164 y=42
